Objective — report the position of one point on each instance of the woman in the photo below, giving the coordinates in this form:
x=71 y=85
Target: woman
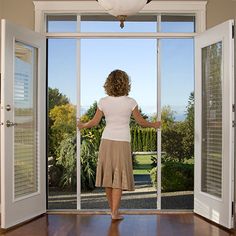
x=114 y=167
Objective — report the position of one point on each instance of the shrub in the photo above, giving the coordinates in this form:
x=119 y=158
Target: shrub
x=153 y=140
x=88 y=160
x=54 y=175
x=66 y=158
x=135 y=140
x=154 y=161
x=144 y=140
x=175 y=176
x=140 y=140
x=134 y=160
x=153 y=175
x=172 y=138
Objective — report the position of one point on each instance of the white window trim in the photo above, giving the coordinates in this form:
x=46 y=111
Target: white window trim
x=92 y=7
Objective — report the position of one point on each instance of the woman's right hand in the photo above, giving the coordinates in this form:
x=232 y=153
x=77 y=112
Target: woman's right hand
x=156 y=124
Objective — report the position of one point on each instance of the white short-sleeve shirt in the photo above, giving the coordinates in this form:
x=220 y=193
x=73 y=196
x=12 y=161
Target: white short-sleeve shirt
x=117 y=112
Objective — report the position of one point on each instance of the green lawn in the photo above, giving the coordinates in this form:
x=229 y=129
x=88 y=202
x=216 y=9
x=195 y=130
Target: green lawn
x=189 y=161
x=143 y=165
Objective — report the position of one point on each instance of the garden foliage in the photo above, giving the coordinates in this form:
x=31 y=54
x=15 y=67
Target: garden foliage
x=177 y=145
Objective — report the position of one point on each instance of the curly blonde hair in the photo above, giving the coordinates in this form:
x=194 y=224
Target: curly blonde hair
x=117 y=84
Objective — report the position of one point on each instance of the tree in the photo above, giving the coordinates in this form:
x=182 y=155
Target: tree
x=55 y=98
x=64 y=119
x=178 y=137
x=190 y=109
x=188 y=139
x=171 y=135
x=91 y=112
x=63 y=123
x=96 y=131
x=167 y=117
x=172 y=138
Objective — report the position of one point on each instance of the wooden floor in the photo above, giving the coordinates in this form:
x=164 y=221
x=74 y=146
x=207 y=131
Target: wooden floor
x=133 y=225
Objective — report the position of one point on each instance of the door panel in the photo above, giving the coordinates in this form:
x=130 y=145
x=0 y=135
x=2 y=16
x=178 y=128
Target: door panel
x=23 y=184
x=214 y=131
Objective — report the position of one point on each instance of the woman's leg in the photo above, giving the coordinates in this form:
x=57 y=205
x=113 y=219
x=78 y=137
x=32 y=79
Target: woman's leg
x=109 y=196
x=116 y=197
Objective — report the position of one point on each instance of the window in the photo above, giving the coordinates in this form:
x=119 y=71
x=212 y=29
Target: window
x=61 y=23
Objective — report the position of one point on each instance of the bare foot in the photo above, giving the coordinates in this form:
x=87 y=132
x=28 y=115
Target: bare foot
x=117 y=217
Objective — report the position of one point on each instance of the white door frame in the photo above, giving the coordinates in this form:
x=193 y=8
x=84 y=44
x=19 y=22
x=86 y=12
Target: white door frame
x=42 y=9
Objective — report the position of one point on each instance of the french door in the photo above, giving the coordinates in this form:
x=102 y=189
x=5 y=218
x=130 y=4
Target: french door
x=23 y=105
x=214 y=124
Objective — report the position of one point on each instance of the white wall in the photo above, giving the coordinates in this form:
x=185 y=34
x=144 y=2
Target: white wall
x=219 y=11
x=19 y=12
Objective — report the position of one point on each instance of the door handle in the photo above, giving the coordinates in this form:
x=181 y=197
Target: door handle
x=10 y=124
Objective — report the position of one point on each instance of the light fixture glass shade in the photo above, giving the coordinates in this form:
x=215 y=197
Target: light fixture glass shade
x=122 y=7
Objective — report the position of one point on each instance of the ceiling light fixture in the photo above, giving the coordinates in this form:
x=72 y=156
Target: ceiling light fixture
x=123 y=8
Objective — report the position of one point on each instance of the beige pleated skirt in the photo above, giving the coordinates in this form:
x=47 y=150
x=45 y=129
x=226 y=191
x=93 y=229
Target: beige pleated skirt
x=114 y=167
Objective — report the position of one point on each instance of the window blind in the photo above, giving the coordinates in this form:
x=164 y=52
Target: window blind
x=211 y=181
x=25 y=116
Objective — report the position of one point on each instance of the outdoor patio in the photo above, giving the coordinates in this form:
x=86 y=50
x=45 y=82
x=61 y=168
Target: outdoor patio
x=144 y=197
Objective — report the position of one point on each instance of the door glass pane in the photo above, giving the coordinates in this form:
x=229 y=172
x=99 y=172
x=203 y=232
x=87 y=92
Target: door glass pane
x=25 y=116
x=177 y=23
x=212 y=119
x=107 y=23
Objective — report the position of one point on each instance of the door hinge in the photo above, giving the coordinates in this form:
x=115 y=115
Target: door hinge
x=233 y=108
x=233 y=124
x=233 y=31
x=232 y=209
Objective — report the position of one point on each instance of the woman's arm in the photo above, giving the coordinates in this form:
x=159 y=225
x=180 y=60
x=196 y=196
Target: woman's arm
x=144 y=123
x=94 y=122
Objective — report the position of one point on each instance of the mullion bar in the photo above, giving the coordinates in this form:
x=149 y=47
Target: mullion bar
x=78 y=105
x=158 y=115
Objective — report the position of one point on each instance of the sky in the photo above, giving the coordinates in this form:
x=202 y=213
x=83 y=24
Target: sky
x=138 y=57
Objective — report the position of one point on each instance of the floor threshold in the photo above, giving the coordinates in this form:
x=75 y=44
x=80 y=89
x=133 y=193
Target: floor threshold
x=122 y=211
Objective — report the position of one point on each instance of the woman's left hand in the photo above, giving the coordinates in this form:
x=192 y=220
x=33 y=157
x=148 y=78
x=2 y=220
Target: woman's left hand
x=80 y=125
x=156 y=124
